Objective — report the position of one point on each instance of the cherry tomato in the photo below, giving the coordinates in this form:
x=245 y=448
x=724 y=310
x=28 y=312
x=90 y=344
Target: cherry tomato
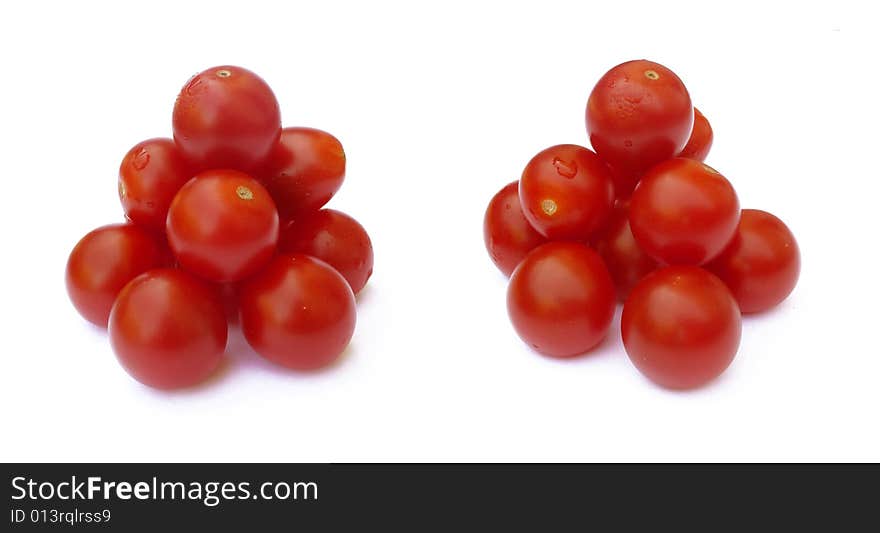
x=168 y=329
x=223 y=225
x=561 y=299
x=508 y=235
x=226 y=117
x=335 y=238
x=762 y=263
x=700 y=141
x=105 y=260
x=150 y=175
x=683 y=212
x=638 y=114
x=626 y=262
x=304 y=171
x=298 y=312
x=681 y=327
x=566 y=192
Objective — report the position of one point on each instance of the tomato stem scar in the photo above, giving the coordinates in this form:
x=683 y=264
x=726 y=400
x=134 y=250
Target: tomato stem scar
x=549 y=206
x=244 y=193
x=652 y=75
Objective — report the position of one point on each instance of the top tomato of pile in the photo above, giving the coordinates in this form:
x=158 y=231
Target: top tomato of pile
x=226 y=117
x=639 y=114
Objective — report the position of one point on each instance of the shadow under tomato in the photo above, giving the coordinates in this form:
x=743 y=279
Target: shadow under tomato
x=364 y=295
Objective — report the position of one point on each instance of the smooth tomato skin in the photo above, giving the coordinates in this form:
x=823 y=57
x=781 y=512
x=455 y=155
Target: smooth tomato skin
x=150 y=175
x=304 y=170
x=561 y=299
x=625 y=260
x=226 y=117
x=508 y=236
x=223 y=225
x=335 y=238
x=104 y=261
x=566 y=192
x=683 y=212
x=700 y=141
x=761 y=264
x=298 y=312
x=168 y=329
x=681 y=327
x=638 y=114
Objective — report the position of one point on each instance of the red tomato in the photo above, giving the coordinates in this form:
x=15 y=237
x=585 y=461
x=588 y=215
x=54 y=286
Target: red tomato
x=305 y=170
x=105 y=260
x=150 y=175
x=168 y=329
x=561 y=299
x=298 y=312
x=335 y=238
x=626 y=262
x=683 y=212
x=566 y=192
x=639 y=114
x=681 y=327
x=226 y=117
x=223 y=225
x=762 y=263
x=700 y=141
x=508 y=235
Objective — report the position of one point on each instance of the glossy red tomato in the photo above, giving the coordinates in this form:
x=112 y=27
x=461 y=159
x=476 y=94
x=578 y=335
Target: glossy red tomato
x=150 y=175
x=561 y=299
x=638 y=114
x=508 y=235
x=298 y=312
x=683 y=212
x=566 y=192
x=305 y=170
x=226 y=117
x=168 y=329
x=105 y=260
x=700 y=141
x=626 y=262
x=762 y=263
x=681 y=327
x=335 y=238
x=223 y=225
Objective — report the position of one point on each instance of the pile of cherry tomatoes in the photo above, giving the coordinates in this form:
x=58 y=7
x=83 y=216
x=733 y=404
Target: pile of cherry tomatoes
x=224 y=225
x=641 y=219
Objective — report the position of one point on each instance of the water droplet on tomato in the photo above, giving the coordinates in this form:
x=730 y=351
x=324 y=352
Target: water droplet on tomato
x=141 y=159
x=566 y=169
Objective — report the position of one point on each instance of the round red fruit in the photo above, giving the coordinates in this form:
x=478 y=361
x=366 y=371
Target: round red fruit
x=150 y=175
x=638 y=114
x=304 y=171
x=626 y=262
x=335 y=238
x=223 y=225
x=168 y=329
x=105 y=260
x=681 y=327
x=298 y=312
x=683 y=212
x=700 y=141
x=561 y=299
x=508 y=236
x=566 y=192
x=226 y=117
x=761 y=264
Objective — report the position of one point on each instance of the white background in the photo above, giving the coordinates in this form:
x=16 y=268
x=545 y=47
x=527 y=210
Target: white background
x=438 y=106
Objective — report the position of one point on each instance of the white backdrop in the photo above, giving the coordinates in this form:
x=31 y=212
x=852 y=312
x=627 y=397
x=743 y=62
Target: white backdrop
x=438 y=106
